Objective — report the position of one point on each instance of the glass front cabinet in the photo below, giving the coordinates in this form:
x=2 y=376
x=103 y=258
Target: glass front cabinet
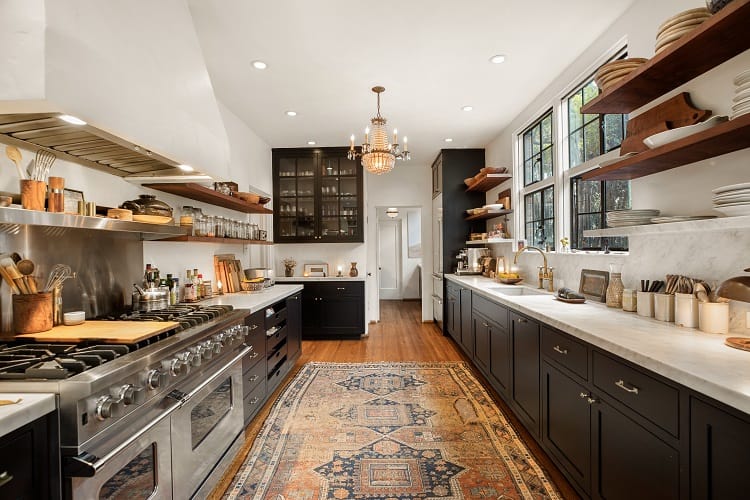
x=317 y=196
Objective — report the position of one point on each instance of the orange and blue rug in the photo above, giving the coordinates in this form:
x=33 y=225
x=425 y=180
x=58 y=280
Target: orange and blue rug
x=388 y=431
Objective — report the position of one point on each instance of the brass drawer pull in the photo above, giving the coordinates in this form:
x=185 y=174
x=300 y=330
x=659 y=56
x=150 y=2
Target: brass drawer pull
x=255 y=355
x=591 y=400
x=253 y=401
x=253 y=378
x=561 y=351
x=485 y=324
x=621 y=384
x=584 y=395
x=522 y=320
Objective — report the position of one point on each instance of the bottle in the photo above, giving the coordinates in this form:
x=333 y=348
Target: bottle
x=170 y=287
x=176 y=290
x=201 y=289
x=615 y=287
x=189 y=290
x=196 y=284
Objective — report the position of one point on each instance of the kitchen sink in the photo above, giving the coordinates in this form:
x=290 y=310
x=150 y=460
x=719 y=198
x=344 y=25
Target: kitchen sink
x=515 y=291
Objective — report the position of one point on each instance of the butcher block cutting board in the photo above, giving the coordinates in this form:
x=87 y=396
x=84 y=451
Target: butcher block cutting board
x=108 y=332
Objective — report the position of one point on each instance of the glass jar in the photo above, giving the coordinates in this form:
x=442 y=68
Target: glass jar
x=210 y=226
x=187 y=216
x=629 y=300
x=615 y=287
x=219 y=226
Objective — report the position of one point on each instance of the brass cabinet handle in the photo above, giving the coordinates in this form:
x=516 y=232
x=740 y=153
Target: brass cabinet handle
x=621 y=384
x=253 y=378
x=591 y=400
x=253 y=401
x=253 y=327
x=5 y=478
x=485 y=324
x=584 y=395
x=255 y=355
x=522 y=320
x=561 y=351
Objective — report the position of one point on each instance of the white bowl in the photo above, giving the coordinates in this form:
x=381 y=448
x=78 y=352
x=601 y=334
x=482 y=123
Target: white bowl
x=74 y=318
x=662 y=138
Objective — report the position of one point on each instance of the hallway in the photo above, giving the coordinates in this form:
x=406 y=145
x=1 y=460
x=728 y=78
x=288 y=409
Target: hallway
x=400 y=336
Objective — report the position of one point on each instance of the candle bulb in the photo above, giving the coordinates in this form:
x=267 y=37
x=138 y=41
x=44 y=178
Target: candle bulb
x=218 y=288
x=406 y=146
x=351 y=142
x=395 y=136
x=367 y=133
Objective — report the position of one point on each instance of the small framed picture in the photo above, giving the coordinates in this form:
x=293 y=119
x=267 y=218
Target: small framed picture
x=71 y=197
x=315 y=270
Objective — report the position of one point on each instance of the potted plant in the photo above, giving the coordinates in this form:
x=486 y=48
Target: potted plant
x=289 y=265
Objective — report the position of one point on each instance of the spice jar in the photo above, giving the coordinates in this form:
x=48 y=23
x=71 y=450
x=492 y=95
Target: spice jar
x=629 y=300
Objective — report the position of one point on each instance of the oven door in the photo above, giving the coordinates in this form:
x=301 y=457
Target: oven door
x=205 y=427
x=141 y=470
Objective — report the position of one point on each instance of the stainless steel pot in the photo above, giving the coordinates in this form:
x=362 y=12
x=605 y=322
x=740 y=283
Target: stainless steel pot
x=150 y=300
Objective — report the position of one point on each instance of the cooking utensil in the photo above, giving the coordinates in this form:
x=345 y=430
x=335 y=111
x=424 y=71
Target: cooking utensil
x=42 y=164
x=58 y=274
x=5 y=402
x=700 y=292
x=14 y=154
x=26 y=268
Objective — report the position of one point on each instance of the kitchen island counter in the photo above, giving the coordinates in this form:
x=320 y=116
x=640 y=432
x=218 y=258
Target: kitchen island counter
x=31 y=407
x=698 y=360
x=255 y=301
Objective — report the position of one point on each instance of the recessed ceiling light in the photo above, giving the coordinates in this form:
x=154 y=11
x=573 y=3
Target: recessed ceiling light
x=311 y=143
x=72 y=119
x=468 y=108
x=259 y=65
x=448 y=139
x=185 y=168
x=498 y=59
x=291 y=113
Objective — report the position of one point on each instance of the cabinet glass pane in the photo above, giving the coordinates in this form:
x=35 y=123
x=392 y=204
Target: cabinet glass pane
x=288 y=206
x=305 y=167
x=305 y=186
x=348 y=186
x=330 y=207
x=287 y=167
x=330 y=167
x=287 y=226
x=347 y=167
x=288 y=187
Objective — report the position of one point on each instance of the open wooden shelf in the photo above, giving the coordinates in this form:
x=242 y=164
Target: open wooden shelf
x=488 y=215
x=488 y=182
x=200 y=193
x=741 y=222
x=211 y=239
x=490 y=241
x=726 y=137
x=721 y=37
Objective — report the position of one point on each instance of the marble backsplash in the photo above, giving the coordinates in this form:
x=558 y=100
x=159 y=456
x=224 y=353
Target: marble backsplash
x=711 y=255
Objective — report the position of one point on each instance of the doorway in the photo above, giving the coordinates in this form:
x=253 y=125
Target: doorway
x=399 y=253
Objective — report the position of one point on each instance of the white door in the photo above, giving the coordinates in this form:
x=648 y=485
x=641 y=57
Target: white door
x=389 y=259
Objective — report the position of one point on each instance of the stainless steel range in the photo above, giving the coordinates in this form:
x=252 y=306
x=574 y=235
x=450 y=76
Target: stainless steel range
x=149 y=420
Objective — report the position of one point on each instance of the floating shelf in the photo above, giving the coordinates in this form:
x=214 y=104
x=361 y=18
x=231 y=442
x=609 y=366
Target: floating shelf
x=211 y=239
x=200 y=193
x=488 y=215
x=718 y=224
x=21 y=217
x=721 y=37
x=490 y=241
x=489 y=181
x=726 y=137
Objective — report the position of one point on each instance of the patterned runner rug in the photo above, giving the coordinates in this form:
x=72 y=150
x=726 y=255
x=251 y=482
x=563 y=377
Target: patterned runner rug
x=388 y=431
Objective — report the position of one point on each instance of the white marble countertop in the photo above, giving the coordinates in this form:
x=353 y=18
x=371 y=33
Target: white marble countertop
x=31 y=407
x=698 y=360
x=318 y=278
x=255 y=301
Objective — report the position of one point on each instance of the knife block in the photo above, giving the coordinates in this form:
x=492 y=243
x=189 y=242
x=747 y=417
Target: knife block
x=32 y=313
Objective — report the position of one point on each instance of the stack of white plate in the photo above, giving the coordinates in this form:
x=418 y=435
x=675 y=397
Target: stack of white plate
x=680 y=218
x=622 y=218
x=611 y=73
x=741 y=100
x=732 y=200
x=678 y=26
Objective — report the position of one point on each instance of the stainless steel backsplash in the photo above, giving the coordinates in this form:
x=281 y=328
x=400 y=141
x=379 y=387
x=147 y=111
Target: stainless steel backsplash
x=106 y=264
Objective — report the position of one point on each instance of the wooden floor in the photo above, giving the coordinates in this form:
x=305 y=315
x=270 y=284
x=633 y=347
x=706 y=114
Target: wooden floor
x=400 y=336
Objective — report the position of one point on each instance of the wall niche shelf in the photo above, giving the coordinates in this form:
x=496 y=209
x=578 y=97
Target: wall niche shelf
x=211 y=239
x=488 y=215
x=490 y=241
x=724 y=138
x=206 y=195
x=718 y=224
x=723 y=36
x=488 y=182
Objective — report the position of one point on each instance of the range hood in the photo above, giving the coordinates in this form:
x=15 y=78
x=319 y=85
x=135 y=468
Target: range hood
x=143 y=90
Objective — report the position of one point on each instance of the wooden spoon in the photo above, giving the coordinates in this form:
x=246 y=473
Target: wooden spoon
x=15 y=156
x=26 y=267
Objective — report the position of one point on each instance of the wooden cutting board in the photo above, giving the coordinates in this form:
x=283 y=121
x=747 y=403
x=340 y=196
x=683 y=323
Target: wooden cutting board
x=108 y=332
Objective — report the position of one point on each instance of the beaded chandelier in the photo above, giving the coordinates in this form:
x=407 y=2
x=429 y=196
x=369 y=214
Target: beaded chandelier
x=379 y=156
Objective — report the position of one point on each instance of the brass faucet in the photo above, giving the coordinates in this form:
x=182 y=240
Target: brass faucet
x=545 y=272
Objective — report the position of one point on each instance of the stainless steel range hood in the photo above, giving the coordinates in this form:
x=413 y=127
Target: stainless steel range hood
x=86 y=145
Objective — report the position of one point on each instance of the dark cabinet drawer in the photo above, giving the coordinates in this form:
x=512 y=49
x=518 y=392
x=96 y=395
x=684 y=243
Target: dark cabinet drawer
x=275 y=318
x=651 y=398
x=275 y=358
x=253 y=358
x=256 y=320
x=253 y=376
x=497 y=313
x=253 y=401
x=341 y=288
x=257 y=340
x=274 y=338
x=566 y=352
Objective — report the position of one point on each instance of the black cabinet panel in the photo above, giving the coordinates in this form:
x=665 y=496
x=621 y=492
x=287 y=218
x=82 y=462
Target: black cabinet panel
x=492 y=310
x=525 y=344
x=630 y=461
x=294 y=324
x=30 y=460
x=500 y=358
x=452 y=320
x=719 y=453
x=332 y=309
x=567 y=424
x=565 y=351
x=467 y=333
x=481 y=342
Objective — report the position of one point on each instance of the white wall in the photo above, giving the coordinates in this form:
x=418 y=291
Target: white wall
x=681 y=191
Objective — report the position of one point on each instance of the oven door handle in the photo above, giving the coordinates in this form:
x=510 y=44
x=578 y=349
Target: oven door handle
x=87 y=464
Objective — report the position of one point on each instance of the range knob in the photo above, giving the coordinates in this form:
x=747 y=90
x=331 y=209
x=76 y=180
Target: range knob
x=207 y=350
x=154 y=379
x=197 y=353
x=178 y=367
x=221 y=338
x=106 y=407
x=216 y=346
x=126 y=394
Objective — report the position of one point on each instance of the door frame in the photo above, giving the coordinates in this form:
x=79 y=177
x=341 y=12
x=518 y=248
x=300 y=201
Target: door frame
x=399 y=251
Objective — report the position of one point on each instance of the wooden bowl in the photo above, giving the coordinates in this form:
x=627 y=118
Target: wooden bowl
x=247 y=197
x=510 y=281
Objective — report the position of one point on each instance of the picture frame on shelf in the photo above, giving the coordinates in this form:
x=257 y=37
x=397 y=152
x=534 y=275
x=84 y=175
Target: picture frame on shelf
x=315 y=270
x=71 y=197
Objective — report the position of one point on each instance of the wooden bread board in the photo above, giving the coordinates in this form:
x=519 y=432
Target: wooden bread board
x=108 y=332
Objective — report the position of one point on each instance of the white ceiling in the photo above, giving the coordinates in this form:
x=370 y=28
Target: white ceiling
x=432 y=56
